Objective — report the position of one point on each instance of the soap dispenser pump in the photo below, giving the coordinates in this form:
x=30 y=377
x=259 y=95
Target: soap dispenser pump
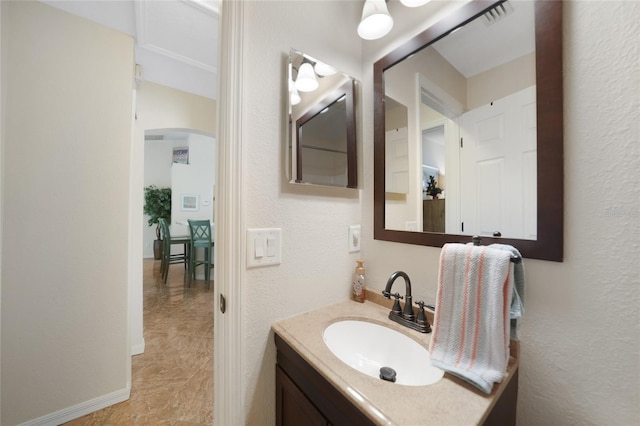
x=358 y=286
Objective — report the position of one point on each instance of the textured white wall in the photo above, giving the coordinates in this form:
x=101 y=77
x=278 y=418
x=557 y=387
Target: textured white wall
x=67 y=104
x=195 y=178
x=316 y=266
x=580 y=341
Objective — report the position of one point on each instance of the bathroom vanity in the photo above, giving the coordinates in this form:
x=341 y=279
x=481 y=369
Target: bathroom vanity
x=315 y=387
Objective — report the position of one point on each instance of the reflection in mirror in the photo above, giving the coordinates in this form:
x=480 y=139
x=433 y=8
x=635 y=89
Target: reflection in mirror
x=470 y=98
x=468 y=130
x=322 y=141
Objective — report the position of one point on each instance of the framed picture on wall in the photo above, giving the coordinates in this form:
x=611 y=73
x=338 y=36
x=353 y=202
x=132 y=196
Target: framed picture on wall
x=181 y=155
x=190 y=203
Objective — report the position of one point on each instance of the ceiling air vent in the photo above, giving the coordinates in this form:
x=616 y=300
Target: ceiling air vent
x=497 y=13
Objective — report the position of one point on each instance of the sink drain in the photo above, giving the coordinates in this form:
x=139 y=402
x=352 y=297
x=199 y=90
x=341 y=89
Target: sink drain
x=388 y=374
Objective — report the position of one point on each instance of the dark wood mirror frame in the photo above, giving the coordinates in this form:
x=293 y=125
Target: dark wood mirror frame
x=550 y=162
x=346 y=90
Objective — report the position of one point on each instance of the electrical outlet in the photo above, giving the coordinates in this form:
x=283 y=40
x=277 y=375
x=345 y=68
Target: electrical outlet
x=354 y=238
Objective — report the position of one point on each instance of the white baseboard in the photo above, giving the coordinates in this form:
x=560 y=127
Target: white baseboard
x=79 y=410
x=138 y=348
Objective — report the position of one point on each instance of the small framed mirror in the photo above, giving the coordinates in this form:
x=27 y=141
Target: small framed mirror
x=321 y=123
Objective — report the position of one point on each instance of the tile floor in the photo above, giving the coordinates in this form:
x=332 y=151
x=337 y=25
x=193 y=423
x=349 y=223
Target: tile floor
x=172 y=382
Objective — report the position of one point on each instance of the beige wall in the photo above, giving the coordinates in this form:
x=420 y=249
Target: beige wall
x=501 y=81
x=67 y=114
x=316 y=266
x=161 y=107
x=580 y=340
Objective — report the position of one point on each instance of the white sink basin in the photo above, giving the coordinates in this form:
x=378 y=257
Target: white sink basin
x=368 y=347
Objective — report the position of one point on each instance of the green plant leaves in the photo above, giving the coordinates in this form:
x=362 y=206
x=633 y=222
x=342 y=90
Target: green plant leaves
x=157 y=203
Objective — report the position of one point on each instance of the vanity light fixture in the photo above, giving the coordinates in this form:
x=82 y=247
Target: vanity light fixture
x=376 y=21
x=294 y=96
x=414 y=3
x=324 y=70
x=306 y=81
x=307 y=78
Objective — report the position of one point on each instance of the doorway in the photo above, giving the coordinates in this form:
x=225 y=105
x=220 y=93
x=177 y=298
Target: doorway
x=167 y=118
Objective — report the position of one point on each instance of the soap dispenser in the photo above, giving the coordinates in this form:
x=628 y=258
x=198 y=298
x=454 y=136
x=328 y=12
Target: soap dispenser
x=358 y=286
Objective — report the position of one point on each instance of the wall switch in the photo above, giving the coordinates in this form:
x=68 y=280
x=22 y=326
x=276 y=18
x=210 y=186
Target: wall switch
x=258 y=249
x=271 y=246
x=354 y=238
x=264 y=247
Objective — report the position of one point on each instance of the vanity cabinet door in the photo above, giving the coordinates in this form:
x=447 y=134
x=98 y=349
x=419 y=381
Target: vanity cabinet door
x=503 y=412
x=295 y=376
x=292 y=406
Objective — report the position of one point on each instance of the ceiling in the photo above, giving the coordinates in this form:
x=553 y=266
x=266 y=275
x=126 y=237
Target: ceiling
x=480 y=45
x=176 y=41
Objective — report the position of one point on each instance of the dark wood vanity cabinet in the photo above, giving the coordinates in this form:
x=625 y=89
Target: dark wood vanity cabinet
x=293 y=407
x=304 y=397
x=433 y=215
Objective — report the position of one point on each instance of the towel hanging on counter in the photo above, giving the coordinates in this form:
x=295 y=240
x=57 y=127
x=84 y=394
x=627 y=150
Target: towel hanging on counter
x=471 y=326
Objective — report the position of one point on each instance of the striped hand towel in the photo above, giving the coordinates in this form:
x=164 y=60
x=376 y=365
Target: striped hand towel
x=471 y=325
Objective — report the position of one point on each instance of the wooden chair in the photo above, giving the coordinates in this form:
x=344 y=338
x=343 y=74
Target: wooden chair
x=200 y=231
x=167 y=242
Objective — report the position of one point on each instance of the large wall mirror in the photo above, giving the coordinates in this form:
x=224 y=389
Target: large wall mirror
x=468 y=131
x=321 y=123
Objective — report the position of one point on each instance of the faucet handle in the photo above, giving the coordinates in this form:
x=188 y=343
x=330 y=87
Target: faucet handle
x=397 y=310
x=389 y=294
x=421 y=319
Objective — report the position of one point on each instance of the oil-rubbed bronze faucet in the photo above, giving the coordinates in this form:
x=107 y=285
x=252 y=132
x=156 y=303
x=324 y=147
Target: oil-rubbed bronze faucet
x=406 y=317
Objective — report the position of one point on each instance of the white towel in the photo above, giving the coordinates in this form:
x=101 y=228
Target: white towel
x=471 y=325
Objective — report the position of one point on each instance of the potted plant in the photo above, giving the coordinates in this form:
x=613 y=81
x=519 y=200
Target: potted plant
x=432 y=188
x=157 y=204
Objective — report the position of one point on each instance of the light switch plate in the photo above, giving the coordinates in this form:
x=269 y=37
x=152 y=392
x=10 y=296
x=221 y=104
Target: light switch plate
x=264 y=247
x=354 y=238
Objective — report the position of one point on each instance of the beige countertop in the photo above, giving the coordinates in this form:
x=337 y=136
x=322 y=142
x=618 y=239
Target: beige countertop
x=450 y=401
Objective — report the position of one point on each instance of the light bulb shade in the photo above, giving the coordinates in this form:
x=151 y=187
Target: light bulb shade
x=324 y=69
x=376 y=21
x=306 y=81
x=294 y=96
x=414 y=3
